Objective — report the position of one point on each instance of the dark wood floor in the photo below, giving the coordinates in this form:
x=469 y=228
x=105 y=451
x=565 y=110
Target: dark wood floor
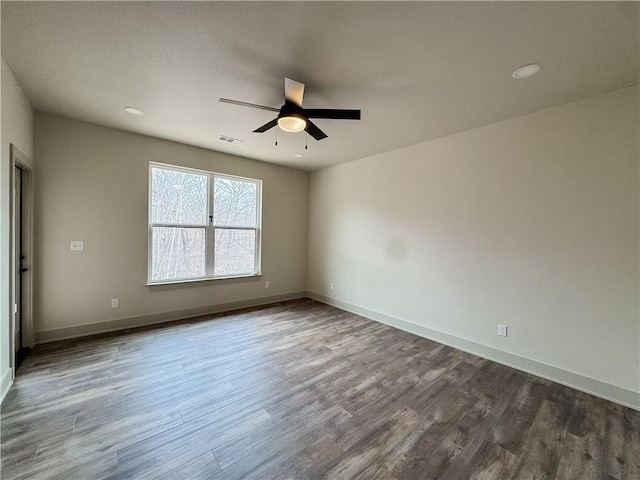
x=299 y=390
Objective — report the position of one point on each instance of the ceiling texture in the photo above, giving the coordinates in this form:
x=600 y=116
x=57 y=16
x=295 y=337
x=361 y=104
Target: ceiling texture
x=417 y=70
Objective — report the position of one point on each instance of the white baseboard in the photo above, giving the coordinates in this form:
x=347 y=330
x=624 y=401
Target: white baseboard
x=5 y=383
x=623 y=396
x=614 y=393
x=152 y=319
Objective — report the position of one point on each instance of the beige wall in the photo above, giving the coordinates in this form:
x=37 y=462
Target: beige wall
x=17 y=129
x=531 y=222
x=91 y=185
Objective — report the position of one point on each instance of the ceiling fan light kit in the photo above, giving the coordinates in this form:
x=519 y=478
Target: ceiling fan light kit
x=292 y=117
x=292 y=123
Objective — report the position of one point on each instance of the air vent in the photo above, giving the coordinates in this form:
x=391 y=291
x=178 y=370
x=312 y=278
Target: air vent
x=224 y=138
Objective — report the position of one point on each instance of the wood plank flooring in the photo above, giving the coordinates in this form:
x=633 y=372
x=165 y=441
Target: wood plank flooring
x=298 y=390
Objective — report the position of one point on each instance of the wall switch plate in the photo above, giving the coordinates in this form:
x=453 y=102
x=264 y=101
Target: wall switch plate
x=77 y=245
x=266 y=284
x=331 y=286
x=115 y=302
x=502 y=330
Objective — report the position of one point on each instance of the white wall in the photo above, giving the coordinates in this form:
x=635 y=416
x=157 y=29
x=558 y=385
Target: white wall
x=17 y=129
x=532 y=222
x=92 y=185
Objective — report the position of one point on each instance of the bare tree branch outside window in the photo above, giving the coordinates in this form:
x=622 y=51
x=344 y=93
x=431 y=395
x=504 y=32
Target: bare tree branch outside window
x=180 y=226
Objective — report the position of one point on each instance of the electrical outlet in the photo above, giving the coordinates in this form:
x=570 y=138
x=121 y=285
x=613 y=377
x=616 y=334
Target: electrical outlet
x=115 y=302
x=266 y=284
x=502 y=330
x=76 y=245
x=331 y=286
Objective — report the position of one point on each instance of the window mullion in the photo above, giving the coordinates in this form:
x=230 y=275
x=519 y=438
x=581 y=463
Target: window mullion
x=224 y=227
x=177 y=225
x=211 y=231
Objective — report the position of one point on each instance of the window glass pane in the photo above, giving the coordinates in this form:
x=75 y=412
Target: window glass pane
x=178 y=197
x=235 y=251
x=178 y=253
x=235 y=203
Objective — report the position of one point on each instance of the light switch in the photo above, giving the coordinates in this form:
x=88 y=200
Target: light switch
x=77 y=245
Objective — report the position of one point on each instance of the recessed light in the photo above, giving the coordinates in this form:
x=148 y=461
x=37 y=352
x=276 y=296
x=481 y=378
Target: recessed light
x=298 y=155
x=133 y=111
x=526 y=71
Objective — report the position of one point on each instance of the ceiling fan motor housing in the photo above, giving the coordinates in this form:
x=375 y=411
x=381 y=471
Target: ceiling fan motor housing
x=292 y=118
x=290 y=109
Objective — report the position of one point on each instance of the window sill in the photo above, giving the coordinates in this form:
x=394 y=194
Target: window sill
x=198 y=280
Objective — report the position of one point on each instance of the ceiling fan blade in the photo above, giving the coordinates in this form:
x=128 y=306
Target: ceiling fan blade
x=266 y=126
x=330 y=113
x=313 y=130
x=245 y=104
x=293 y=91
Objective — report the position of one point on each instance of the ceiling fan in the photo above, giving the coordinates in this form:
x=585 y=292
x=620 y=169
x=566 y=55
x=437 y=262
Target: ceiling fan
x=292 y=117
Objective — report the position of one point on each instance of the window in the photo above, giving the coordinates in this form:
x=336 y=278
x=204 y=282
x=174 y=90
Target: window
x=202 y=225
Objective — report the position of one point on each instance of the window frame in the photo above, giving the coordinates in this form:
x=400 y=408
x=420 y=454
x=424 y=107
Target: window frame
x=209 y=227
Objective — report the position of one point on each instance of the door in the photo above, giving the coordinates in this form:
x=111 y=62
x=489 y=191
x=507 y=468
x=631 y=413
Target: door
x=21 y=348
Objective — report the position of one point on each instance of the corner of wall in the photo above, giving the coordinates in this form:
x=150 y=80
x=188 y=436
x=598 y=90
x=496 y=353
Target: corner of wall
x=16 y=127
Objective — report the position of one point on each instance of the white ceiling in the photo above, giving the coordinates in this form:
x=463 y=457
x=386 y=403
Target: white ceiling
x=416 y=70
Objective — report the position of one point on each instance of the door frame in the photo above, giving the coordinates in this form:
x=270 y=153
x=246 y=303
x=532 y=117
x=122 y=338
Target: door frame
x=19 y=159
